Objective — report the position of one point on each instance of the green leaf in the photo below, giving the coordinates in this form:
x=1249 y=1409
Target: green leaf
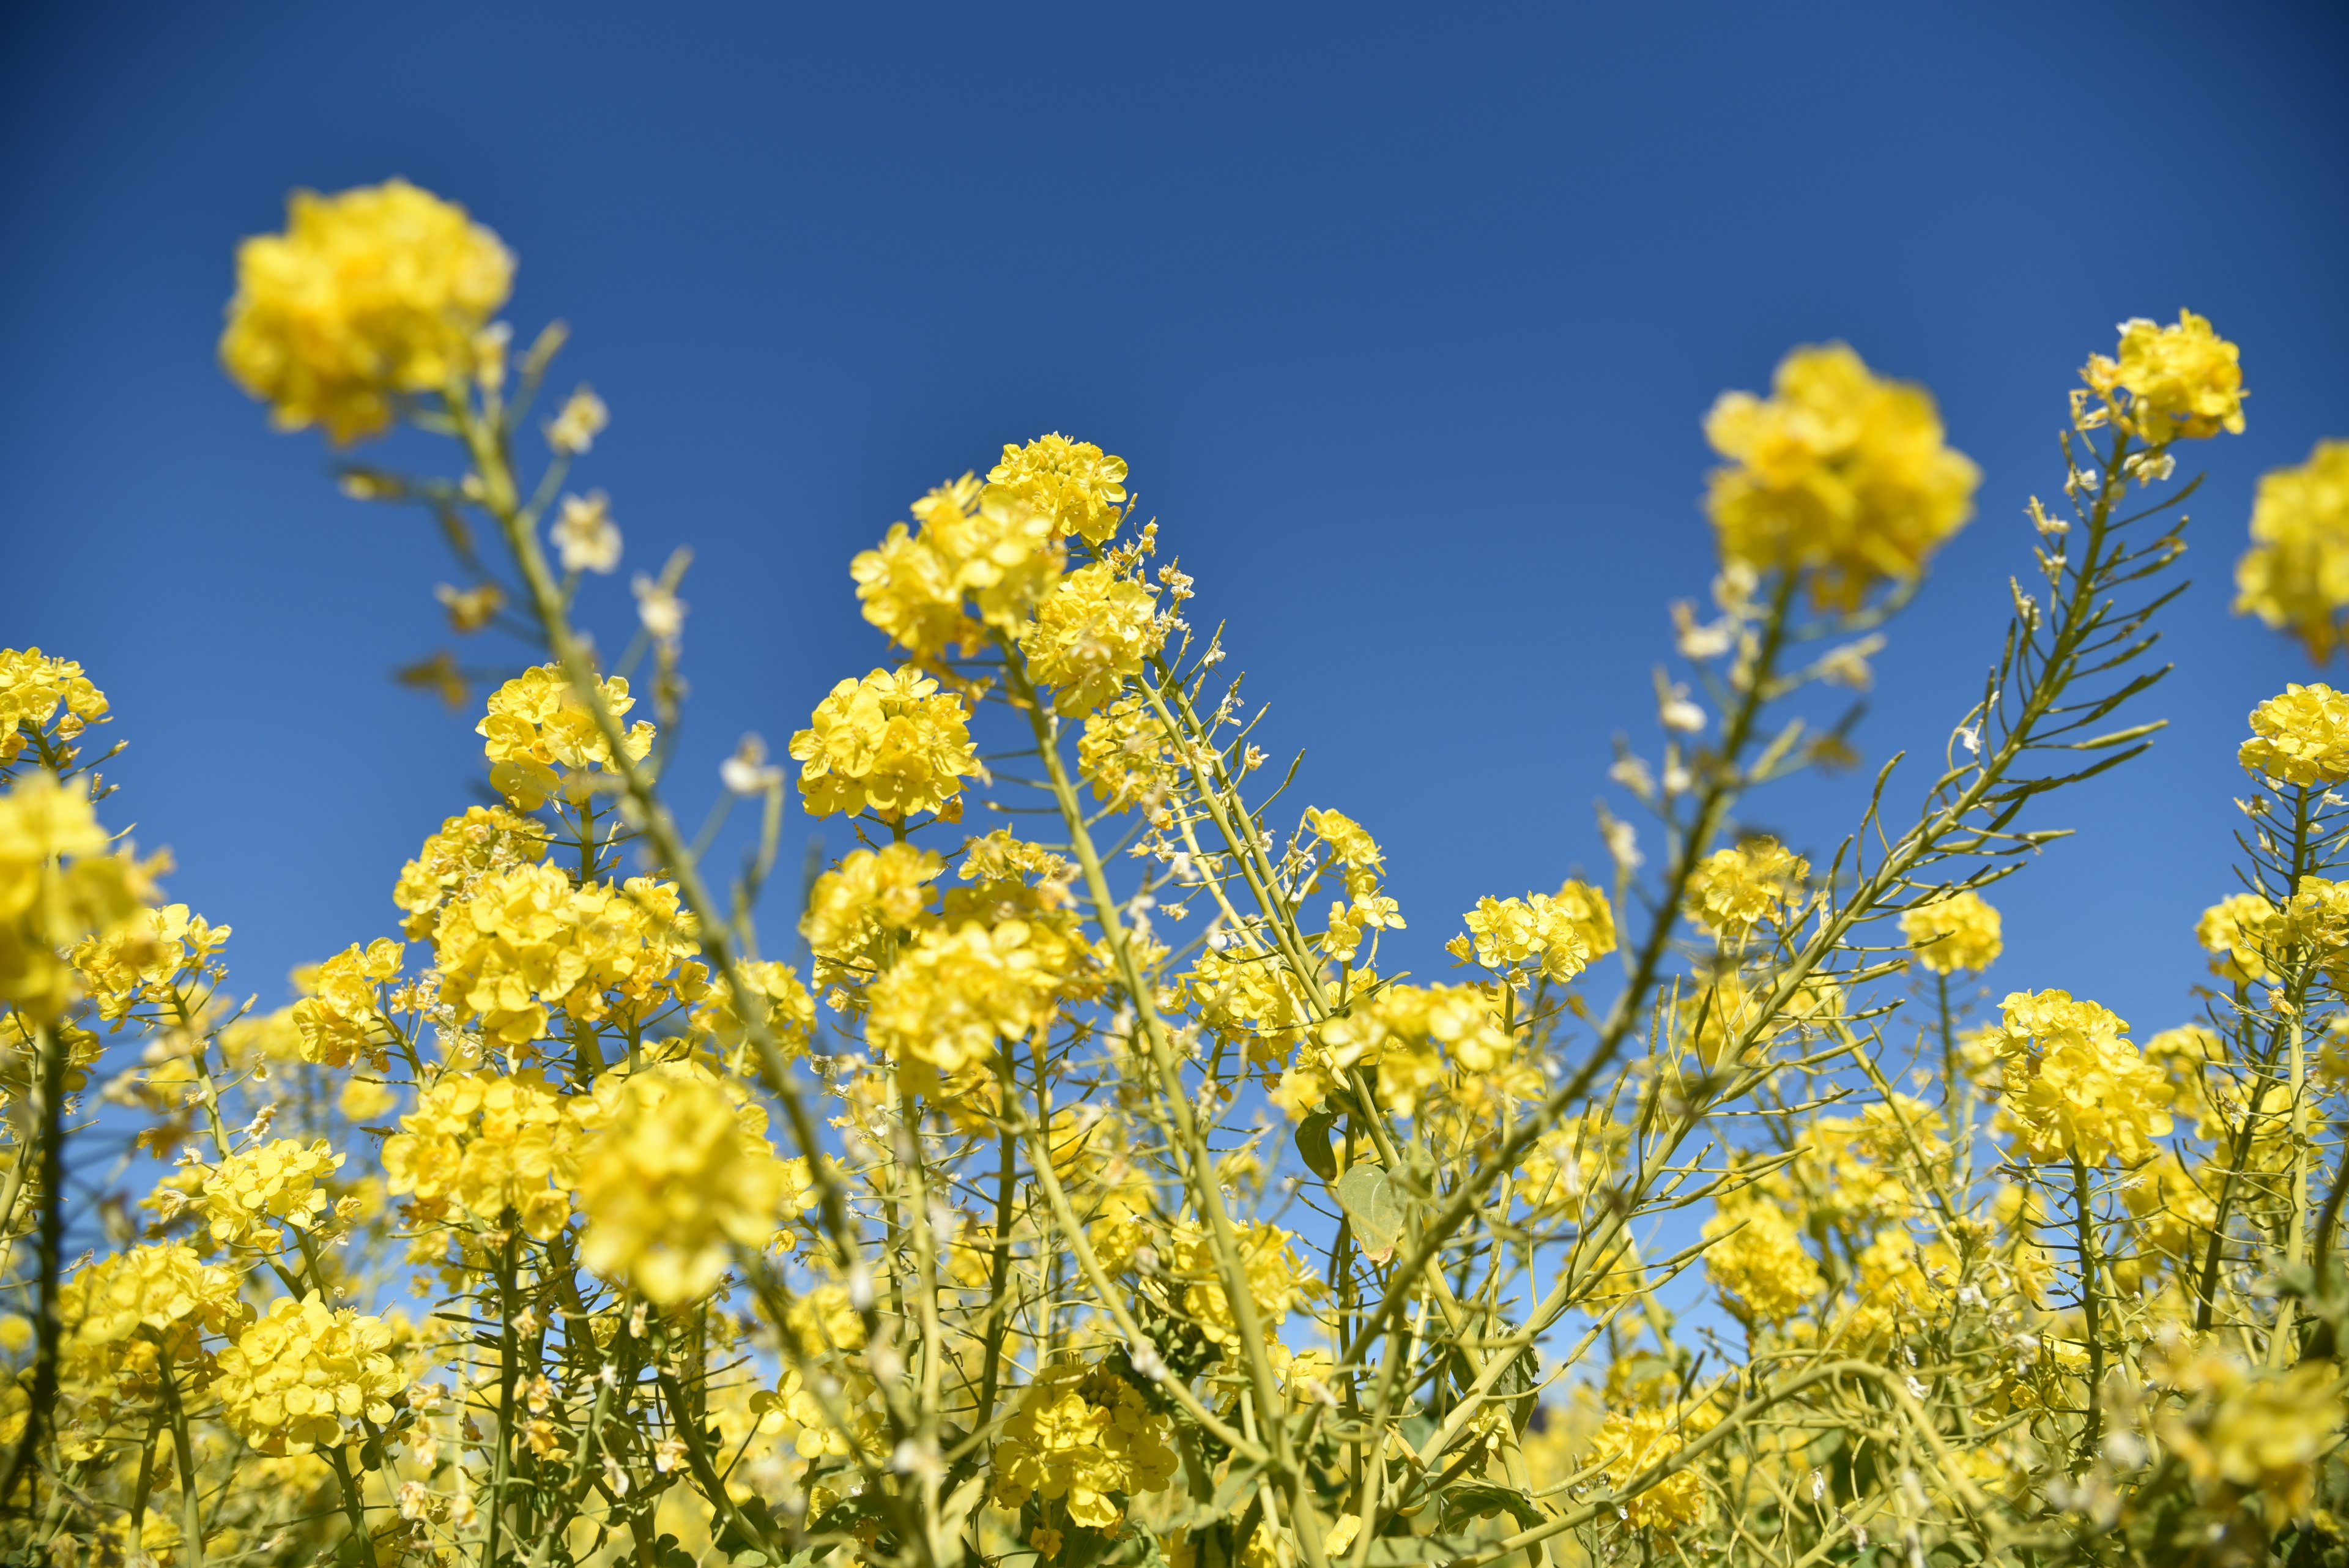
x=1313 y=1143
x=1375 y=1206
x=1471 y=1501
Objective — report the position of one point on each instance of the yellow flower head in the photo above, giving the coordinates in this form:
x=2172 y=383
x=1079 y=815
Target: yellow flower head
x=482 y=1144
x=955 y=992
x=1959 y=931
x=58 y=886
x=1083 y=1437
x=1734 y=891
x=1758 y=1260
x=1406 y=1034
x=675 y=1171
x=2299 y=738
x=2296 y=573
x=339 y=1021
x=783 y=1003
x=1838 y=470
x=140 y=961
x=872 y=894
x=1092 y=633
x=1078 y=486
x=1278 y=1281
x=2071 y=1086
x=279 y=1180
x=892 y=743
x=2237 y=931
x=486 y=838
x=1123 y=755
x=542 y=740
x=375 y=293
x=302 y=1376
x=32 y=690
x=2181 y=380
x=1633 y=1441
x=982 y=560
x=2253 y=1435
x=121 y=1311
x=523 y=943
x=1535 y=930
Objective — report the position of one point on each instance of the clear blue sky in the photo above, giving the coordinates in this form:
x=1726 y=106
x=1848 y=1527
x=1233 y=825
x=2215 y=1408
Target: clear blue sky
x=1405 y=319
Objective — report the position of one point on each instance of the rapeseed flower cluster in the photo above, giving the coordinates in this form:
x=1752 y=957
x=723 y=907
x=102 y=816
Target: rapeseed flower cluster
x=2169 y=382
x=675 y=1171
x=368 y=297
x=305 y=1376
x=2071 y=1086
x=543 y=740
x=2295 y=575
x=892 y=743
x=1839 y=471
x=1082 y=1440
x=1958 y=931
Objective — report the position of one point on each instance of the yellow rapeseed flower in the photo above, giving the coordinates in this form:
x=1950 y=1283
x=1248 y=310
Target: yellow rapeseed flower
x=542 y=740
x=2072 y=1088
x=1085 y=1438
x=302 y=1376
x=2182 y=381
x=982 y=561
x=376 y=293
x=524 y=943
x=2296 y=574
x=675 y=1172
x=1838 y=470
x=2301 y=737
x=1960 y=930
x=340 y=1020
x=282 y=1180
x=486 y=838
x=58 y=886
x=892 y=743
x=1078 y=486
x=1092 y=633
x=483 y=1144
x=32 y=689
x=1734 y=891
x=1757 y=1259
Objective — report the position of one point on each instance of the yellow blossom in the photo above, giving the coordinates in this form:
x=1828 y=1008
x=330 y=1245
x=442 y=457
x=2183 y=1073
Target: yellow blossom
x=122 y=1312
x=486 y=1144
x=32 y=689
x=1085 y=1438
x=2252 y=1434
x=2238 y=930
x=955 y=992
x=783 y=1003
x=486 y=838
x=2301 y=737
x=1634 y=1441
x=2072 y=1088
x=1757 y=1259
x=1078 y=486
x=542 y=740
x=854 y=909
x=1959 y=930
x=982 y=561
x=279 y=1180
x=1277 y=1280
x=2296 y=574
x=375 y=293
x=1405 y=1036
x=1732 y=891
x=1839 y=471
x=340 y=1020
x=58 y=886
x=892 y=743
x=1536 y=929
x=304 y=1376
x=140 y=960
x=1092 y=633
x=2181 y=380
x=675 y=1172
x=523 y=943
x=1123 y=755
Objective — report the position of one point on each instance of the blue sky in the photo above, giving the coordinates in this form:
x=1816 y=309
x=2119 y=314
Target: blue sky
x=1405 y=319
